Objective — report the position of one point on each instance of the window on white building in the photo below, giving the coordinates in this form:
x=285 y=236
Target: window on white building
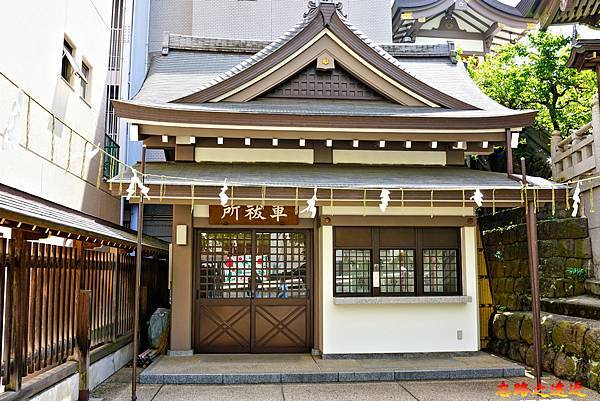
x=85 y=80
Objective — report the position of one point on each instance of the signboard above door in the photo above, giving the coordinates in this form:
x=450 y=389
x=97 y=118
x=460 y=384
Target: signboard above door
x=253 y=215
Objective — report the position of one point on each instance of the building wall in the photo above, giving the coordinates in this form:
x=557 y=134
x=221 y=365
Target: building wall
x=35 y=65
x=356 y=329
x=256 y=19
x=400 y=328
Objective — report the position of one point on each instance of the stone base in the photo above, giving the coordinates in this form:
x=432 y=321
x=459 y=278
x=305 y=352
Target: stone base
x=180 y=352
x=303 y=368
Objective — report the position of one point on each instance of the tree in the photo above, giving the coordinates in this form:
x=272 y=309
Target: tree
x=533 y=74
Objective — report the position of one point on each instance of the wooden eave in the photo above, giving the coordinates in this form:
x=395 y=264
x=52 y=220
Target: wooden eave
x=327 y=18
x=434 y=9
x=585 y=55
x=158 y=115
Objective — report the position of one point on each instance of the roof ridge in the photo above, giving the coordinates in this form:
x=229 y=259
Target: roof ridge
x=199 y=43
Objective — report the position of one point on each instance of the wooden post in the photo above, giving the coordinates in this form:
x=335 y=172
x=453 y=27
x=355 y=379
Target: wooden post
x=19 y=282
x=532 y=242
x=115 y=283
x=84 y=318
x=509 y=153
x=138 y=270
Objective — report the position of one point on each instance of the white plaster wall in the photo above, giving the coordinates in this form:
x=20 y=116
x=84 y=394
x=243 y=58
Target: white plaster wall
x=34 y=31
x=256 y=19
x=68 y=389
x=399 y=328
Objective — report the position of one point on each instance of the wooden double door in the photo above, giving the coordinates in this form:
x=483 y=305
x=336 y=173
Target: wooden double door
x=252 y=291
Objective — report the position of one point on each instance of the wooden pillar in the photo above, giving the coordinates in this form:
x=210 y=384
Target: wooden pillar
x=84 y=318
x=115 y=299
x=509 y=152
x=19 y=280
x=532 y=243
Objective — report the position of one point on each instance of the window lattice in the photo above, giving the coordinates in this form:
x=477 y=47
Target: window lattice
x=352 y=271
x=440 y=271
x=397 y=270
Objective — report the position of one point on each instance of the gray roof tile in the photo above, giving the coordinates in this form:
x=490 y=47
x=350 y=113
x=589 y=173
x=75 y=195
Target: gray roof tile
x=328 y=176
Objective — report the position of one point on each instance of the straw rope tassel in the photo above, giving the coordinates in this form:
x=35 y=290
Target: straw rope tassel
x=464 y=203
x=432 y=203
x=83 y=160
x=53 y=139
x=99 y=175
x=331 y=200
x=110 y=176
x=592 y=209
x=69 y=150
x=401 y=197
x=526 y=200
x=193 y=188
x=121 y=180
x=296 y=201
x=365 y=202
x=28 y=122
x=553 y=202
x=161 y=189
x=568 y=204
x=264 y=194
x=231 y=197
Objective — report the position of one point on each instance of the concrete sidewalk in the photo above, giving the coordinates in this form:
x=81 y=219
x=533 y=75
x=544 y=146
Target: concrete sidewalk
x=304 y=368
x=118 y=388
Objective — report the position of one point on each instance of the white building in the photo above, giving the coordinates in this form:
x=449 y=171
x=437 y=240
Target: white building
x=54 y=83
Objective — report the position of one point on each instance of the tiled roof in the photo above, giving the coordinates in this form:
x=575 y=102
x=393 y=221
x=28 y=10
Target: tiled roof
x=329 y=176
x=181 y=72
x=36 y=211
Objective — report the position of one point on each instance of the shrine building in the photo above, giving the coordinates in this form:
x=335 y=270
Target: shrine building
x=321 y=201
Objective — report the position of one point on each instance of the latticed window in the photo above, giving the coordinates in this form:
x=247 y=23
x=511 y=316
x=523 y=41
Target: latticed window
x=440 y=270
x=403 y=261
x=397 y=270
x=353 y=271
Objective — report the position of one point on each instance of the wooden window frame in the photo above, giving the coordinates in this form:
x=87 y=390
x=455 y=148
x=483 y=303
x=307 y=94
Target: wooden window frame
x=418 y=249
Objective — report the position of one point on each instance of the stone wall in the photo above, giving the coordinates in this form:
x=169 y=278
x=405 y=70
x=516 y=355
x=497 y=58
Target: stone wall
x=563 y=244
x=570 y=346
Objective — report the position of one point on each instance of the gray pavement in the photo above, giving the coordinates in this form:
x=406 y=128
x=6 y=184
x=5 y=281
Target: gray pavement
x=118 y=388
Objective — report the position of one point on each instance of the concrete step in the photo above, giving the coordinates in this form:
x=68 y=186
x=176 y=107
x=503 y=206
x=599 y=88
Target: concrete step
x=592 y=286
x=583 y=306
x=293 y=368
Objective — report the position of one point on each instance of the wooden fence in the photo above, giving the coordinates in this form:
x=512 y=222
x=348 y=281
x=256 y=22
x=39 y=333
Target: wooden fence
x=38 y=287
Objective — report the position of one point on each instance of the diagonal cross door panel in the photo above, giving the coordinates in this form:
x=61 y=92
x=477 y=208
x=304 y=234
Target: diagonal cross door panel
x=252 y=292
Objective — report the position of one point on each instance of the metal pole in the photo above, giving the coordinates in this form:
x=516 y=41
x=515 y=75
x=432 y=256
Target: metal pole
x=532 y=242
x=138 y=270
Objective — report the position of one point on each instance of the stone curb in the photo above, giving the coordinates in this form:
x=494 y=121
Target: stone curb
x=331 y=377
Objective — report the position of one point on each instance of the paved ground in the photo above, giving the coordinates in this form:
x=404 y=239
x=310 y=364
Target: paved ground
x=118 y=388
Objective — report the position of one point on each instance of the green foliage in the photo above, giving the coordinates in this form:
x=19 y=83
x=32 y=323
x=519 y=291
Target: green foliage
x=577 y=273
x=532 y=74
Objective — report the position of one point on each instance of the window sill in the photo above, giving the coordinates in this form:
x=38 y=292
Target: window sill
x=84 y=100
x=69 y=85
x=458 y=299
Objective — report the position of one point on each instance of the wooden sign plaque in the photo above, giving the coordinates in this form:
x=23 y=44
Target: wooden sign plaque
x=252 y=215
